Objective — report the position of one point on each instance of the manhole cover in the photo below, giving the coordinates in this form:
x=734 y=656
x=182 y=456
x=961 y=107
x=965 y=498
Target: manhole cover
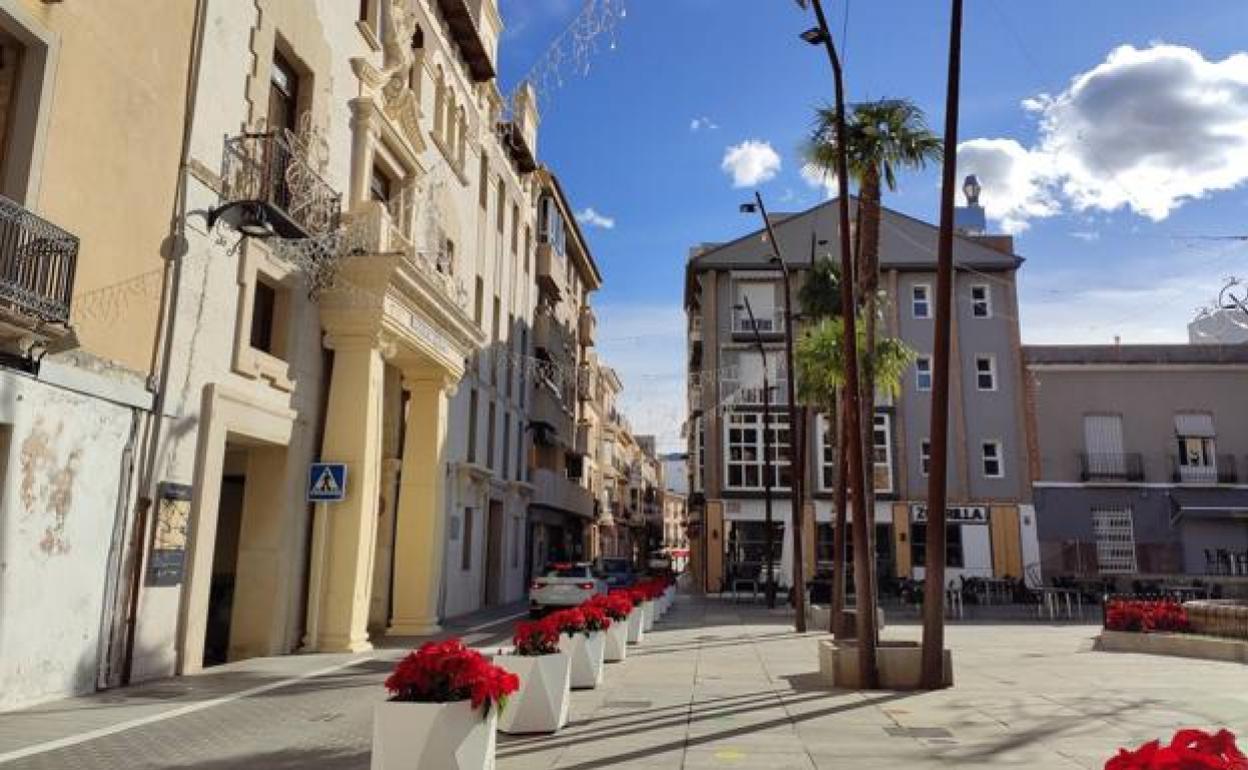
x=918 y=732
x=627 y=704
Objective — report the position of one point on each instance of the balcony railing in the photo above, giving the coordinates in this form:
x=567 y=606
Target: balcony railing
x=37 y=263
x=272 y=172
x=1221 y=472
x=769 y=323
x=1118 y=466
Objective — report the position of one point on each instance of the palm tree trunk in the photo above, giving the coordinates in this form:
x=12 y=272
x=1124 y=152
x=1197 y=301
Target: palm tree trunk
x=840 y=498
x=869 y=283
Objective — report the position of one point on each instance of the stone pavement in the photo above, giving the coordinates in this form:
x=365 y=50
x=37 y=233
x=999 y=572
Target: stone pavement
x=717 y=685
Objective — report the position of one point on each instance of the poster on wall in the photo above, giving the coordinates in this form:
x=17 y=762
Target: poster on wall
x=166 y=566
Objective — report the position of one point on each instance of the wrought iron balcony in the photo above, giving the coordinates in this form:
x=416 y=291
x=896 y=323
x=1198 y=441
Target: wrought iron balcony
x=1113 y=466
x=270 y=185
x=37 y=262
x=1222 y=472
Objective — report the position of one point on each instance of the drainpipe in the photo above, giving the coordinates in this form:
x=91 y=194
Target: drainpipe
x=163 y=349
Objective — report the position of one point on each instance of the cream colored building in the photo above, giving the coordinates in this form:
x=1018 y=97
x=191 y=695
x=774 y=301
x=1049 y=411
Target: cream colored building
x=90 y=138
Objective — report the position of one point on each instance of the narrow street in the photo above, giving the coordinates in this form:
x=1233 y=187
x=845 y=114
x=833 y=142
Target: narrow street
x=718 y=684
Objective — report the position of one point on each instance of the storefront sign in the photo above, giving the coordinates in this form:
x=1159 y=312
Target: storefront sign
x=166 y=564
x=954 y=514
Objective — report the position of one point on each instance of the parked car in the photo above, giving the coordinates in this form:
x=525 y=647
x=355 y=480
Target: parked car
x=617 y=571
x=564 y=585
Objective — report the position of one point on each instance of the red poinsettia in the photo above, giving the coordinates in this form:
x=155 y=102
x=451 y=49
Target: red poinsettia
x=536 y=638
x=617 y=604
x=442 y=672
x=1145 y=615
x=1188 y=750
x=595 y=617
x=570 y=622
x=638 y=594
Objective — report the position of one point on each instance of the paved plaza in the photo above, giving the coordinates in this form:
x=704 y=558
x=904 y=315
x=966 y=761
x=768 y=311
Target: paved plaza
x=717 y=685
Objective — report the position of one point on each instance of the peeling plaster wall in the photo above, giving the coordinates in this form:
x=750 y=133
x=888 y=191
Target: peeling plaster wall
x=61 y=465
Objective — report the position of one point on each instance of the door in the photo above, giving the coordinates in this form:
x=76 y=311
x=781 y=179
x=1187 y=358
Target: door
x=1102 y=439
x=494 y=554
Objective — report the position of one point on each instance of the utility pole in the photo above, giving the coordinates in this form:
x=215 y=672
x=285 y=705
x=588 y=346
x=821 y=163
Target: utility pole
x=933 y=675
x=863 y=559
x=769 y=536
x=797 y=465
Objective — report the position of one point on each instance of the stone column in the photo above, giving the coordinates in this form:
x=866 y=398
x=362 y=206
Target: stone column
x=419 y=543
x=345 y=533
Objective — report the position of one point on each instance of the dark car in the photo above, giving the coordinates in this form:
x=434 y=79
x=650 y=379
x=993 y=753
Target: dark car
x=618 y=572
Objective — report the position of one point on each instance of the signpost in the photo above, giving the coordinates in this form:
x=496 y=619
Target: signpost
x=327 y=482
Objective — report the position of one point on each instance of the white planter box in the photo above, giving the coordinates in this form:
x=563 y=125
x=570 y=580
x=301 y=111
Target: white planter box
x=454 y=736
x=647 y=612
x=541 y=703
x=636 y=625
x=587 y=658
x=617 y=642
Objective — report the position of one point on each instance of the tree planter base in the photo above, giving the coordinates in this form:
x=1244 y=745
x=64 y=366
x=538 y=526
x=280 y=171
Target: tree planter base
x=850 y=620
x=454 y=736
x=586 y=653
x=1179 y=645
x=541 y=703
x=900 y=665
x=636 y=626
x=616 y=648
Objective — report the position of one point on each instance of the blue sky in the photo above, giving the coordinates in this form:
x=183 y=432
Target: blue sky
x=1102 y=179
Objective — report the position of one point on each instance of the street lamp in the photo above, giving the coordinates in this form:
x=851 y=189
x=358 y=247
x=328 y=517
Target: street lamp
x=769 y=535
x=797 y=464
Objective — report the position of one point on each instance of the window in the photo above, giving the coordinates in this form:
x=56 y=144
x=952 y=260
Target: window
x=515 y=228
x=1114 y=533
x=981 y=301
x=483 y=183
x=925 y=456
x=283 y=94
x=379 y=186
x=550 y=226
x=489 y=437
x=478 y=302
x=882 y=452
x=263 y=308
x=473 y=403
x=418 y=61
x=745 y=450
x=1197 y=461
x=921 y=301
x=506 y=448
x=827 y=453
x=528 y=246
x=465 y=555
x=990 y=455
x=10 y=71
x=953 y=545
x=985 y=373
x=502 y=206
x=923 y=373
x=446 y=258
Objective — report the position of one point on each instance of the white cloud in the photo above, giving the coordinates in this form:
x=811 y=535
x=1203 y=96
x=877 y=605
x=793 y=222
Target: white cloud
x=591 y=218
x=820 y=179
x=702 y=124
x=750 y=163
x=645 y=344
x=1013 y=181
x=1146 y=129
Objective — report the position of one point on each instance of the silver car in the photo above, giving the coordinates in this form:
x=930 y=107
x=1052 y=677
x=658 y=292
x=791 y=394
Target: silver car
x=564 y=585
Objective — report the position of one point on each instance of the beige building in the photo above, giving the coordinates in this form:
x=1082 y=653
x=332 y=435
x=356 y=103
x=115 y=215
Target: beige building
x=90 y=139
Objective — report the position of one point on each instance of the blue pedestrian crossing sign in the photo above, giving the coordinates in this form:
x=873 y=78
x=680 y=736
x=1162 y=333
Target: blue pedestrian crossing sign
x=327 y=482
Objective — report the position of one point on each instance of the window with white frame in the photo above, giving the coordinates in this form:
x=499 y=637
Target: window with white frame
x=923 y=373
x=985 y=373
x=827 y=453
x=882 y=452
x=744 y=456
x=990 y=457
x=925 y=456
x=921 y=300
x=1197 y=459
x=981 y=301
x=1113 y=529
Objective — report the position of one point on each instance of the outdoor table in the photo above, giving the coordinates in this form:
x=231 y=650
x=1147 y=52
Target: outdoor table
x=1053 y=599
x=737 y=583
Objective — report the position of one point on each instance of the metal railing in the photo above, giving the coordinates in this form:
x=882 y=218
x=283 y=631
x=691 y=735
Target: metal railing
x=1116 y=466
x=272 y=169
x=1221 y=472
x=769 y=322
x=37 y=264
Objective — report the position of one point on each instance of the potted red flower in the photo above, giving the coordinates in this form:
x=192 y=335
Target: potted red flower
x=1188 y=750
x=637 y=625
x=443 y=709
x=584 y=646
x=541 y=703
x=618 y=607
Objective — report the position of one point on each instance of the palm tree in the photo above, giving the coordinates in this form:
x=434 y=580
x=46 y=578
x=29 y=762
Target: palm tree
x=884 y=137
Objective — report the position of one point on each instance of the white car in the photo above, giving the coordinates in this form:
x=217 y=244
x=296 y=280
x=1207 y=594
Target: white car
x=564 y=585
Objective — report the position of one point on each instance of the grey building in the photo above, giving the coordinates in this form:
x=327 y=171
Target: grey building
x=992 y=529
x=1142 y=460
